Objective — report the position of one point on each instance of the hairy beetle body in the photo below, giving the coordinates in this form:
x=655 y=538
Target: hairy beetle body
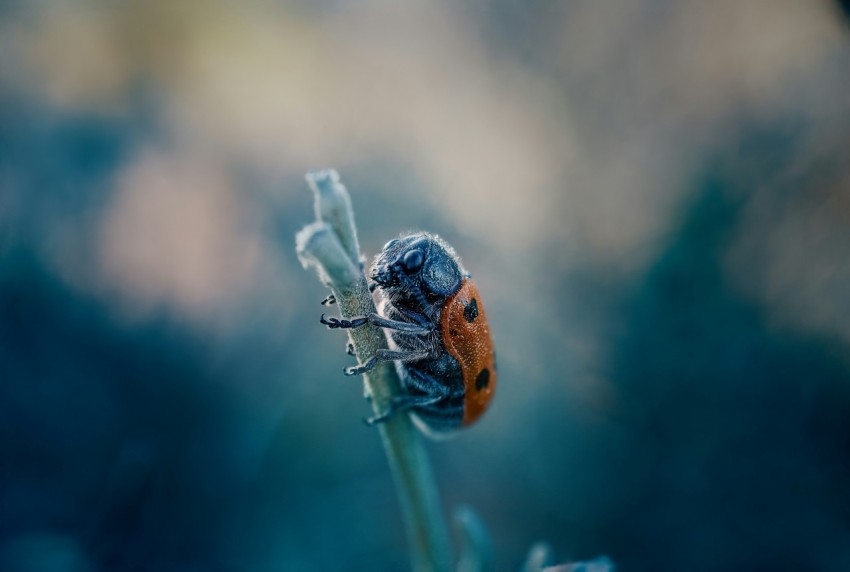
x=439 y=335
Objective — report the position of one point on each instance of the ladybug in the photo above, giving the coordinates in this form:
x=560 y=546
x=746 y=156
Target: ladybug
x=438 y=334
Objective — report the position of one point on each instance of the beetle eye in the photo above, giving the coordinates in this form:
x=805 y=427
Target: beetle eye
x=412 y=261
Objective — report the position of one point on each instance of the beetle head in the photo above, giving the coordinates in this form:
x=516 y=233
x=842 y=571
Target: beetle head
x=419 y=262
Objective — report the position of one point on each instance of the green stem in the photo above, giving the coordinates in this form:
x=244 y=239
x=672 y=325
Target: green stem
x=330 y=245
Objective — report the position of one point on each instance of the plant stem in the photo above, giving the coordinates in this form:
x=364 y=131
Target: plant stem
x=330 y=245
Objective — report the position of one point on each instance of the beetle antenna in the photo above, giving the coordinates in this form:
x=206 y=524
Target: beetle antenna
x=415 y=289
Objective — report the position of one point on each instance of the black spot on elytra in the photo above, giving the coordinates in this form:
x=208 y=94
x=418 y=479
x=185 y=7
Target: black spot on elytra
x=483 y=379
x=470 y=311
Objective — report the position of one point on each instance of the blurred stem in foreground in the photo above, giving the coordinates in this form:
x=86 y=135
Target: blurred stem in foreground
x=330 y=245
x=476 y=551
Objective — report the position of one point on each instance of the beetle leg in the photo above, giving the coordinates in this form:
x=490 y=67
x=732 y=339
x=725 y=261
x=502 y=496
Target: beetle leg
x=363 y=368
x=403 y=403
x=407 y=327
x=377 y=320
x=334 y=323
x=416 y=317
x=425 y=383
x=384 y=355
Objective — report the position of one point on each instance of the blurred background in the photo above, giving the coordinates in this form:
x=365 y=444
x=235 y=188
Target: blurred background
x=653 y=197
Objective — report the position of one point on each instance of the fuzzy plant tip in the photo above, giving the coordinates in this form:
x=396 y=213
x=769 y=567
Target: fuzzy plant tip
x=333 y=206
x=319 y=247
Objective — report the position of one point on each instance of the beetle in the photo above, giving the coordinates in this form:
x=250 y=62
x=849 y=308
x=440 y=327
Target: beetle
x=439 y=336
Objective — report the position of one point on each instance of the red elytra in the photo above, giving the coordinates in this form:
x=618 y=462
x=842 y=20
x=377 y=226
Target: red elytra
x=466 y=335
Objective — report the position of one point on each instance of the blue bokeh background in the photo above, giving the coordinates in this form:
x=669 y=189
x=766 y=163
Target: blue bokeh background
x=653 y=197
